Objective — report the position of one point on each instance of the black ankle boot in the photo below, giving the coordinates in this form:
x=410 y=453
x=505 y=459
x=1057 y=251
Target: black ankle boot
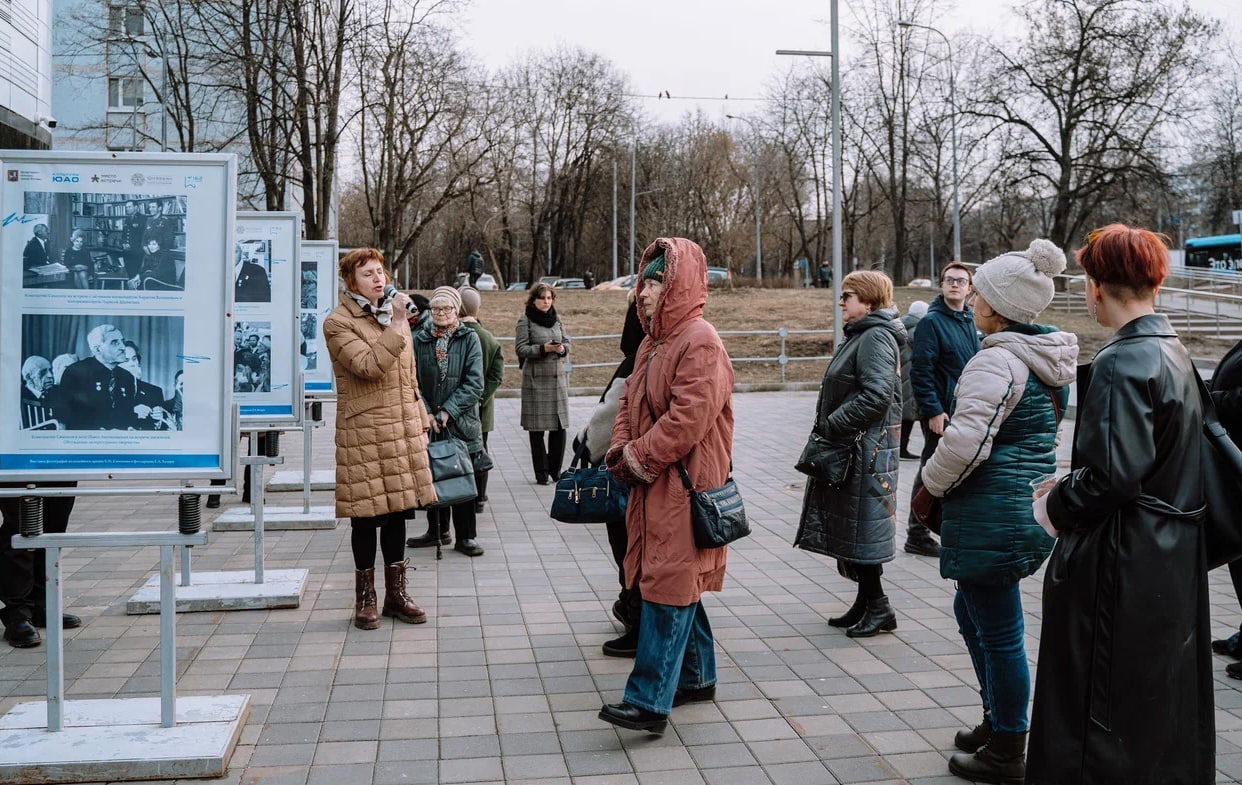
x=1001 y=761
x=428 y=539
x=852 y=616
x=624 y=646
x=878 y=617
x=972 y=740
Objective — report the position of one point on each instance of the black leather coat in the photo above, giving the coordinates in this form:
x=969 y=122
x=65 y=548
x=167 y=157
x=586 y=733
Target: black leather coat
x=1124 y=688
x=861 y=393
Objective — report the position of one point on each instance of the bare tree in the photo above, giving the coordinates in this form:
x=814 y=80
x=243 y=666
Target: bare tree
x=1090 y=88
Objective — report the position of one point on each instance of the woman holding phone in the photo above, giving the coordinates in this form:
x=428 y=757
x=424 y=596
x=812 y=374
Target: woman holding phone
x=542 y=345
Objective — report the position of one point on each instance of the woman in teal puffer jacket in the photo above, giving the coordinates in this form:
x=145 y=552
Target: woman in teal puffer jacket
x=1002 y=435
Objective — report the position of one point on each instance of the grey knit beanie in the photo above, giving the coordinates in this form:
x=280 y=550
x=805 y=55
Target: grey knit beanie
x=1018 y=284
x=447 y=294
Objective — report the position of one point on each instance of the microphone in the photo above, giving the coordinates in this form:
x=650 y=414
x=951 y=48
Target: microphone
x=390 y=292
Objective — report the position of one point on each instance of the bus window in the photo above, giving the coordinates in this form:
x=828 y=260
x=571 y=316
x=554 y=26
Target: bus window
x=1222 y=253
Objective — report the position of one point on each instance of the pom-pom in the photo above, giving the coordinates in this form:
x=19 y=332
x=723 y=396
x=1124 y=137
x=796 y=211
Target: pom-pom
x=1047 y=258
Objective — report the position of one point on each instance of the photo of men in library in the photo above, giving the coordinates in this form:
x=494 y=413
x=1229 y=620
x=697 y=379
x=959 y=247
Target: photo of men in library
x=126 y=373
x=104 y=241
x=310 y=286
x=310 y=342
x=252 y=357
x=253 y=271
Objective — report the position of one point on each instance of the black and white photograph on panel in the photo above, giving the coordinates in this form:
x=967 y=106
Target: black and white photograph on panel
x=91 y=373
x=310 y=286
x=310 y=342
x=252 y=357
x=103 y=241
x=252 y=271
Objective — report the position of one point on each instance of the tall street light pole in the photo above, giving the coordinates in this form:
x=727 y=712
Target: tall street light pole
x=758 y=219
x=837 y=179
x=614 y=216
x=957 y=210
x=633 y=177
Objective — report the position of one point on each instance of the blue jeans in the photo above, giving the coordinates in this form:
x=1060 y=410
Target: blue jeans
x=990 y=621
x=675 y=651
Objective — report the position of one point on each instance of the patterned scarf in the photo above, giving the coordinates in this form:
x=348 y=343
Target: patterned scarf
x=382 y=312
x=443 y=335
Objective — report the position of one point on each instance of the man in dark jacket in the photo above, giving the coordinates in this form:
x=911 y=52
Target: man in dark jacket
x=474 y=267
x=945 y=341
x=1226 y=388
x=132 y=236
x=35 y=253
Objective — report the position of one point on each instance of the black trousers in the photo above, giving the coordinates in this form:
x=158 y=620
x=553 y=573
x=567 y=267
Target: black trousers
x=930 y=440
x=23 y=572
x=547 y=461
x=465 y=524
x=630 y=597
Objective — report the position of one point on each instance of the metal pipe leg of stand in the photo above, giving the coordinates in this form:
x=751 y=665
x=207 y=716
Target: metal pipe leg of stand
x=55 y=643
x=168 y=638
x=307 y=429
x=185 y=566
x=256 y=502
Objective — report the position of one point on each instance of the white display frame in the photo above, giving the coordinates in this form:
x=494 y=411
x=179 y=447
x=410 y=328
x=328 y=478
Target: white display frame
x=279 y=406
x=41 y=313
x=319 y=383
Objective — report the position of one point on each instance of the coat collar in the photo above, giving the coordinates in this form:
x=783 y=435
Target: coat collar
x=1153 y=324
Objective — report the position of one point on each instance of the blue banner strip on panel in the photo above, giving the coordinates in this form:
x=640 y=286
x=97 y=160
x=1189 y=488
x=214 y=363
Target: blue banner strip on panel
x=106 y=461
x=251 y=411
x=317 y=386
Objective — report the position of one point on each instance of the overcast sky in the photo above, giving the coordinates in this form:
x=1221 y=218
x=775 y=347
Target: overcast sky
x=709 y=48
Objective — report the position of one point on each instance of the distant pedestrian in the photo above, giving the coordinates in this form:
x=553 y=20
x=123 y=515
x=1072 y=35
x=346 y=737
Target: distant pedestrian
x=542 y=346
x=909 y=404
x=474 y=267
x=860 y=404
x=1007 y=408
x=677 y=408
x=945 y=341
x=1124 y=691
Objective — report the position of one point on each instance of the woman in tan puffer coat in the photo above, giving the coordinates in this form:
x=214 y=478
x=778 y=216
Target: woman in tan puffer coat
x=382 y=468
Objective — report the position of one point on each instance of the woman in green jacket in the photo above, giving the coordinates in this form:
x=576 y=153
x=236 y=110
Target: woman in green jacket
x=450 y=374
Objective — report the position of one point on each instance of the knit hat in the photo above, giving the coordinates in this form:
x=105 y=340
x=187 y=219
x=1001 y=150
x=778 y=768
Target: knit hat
x=1018 y=284
x=470 y=301
x=655 y=269
x=450 y=294
x=918 y=308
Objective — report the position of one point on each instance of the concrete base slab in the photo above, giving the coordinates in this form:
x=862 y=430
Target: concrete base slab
x=121 y=740
x=225 y=591
x=241 y=519
x=291 y=480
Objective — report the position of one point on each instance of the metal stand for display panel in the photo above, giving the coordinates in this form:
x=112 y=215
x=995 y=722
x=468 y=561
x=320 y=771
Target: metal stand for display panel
x=307 y=479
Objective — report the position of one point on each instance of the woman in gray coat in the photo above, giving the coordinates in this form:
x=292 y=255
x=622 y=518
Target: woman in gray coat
x=541 y=345
x=860 y=405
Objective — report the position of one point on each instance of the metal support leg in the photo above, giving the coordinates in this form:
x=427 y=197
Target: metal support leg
x=168 y=638
x=308 y=428
x=55 y=643
x=256 y=506
x=185 y=566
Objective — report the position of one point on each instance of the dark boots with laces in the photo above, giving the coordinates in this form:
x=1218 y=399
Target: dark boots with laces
x=1002 y=760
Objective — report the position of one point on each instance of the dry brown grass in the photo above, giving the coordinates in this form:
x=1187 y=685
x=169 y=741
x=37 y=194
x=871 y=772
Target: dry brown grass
x=602 y=313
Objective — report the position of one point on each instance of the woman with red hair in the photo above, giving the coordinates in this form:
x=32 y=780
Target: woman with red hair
x=1124 y=688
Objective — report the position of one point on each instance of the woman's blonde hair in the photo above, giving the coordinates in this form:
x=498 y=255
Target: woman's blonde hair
x=872 y=288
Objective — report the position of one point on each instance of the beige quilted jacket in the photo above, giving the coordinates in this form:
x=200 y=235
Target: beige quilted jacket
x=381 y=424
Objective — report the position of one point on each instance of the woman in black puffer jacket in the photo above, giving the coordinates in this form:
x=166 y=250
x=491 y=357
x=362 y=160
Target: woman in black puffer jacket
x=860 y=404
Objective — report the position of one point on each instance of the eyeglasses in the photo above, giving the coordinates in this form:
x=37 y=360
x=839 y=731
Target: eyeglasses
x=953 y=280
x=846 y=294
x=443 y=309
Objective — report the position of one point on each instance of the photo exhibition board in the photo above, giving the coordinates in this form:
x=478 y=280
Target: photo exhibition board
x=266 y=340
x=118 y=284
x=318 y=298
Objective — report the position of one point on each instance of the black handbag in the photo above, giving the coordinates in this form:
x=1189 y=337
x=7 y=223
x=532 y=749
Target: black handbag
x=588 y=494
x=828 y=461
x=1222 y=487
x=718 y=516
x=452 y=473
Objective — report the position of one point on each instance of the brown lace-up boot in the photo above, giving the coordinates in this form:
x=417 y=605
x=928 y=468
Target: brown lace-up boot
x=365 y=615
x=396 y=602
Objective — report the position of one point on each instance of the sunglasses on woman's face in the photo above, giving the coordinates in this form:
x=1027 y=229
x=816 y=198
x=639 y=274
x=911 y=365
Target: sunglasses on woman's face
x=847 y=294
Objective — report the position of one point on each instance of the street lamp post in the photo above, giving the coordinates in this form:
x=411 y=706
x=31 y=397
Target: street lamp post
x=758 y=219
x=837 y=180
x=957 y=210
x=633 y=196
x=614 y=217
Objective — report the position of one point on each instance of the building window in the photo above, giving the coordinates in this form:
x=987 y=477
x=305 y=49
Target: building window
x=125 y=20
x=124 y=92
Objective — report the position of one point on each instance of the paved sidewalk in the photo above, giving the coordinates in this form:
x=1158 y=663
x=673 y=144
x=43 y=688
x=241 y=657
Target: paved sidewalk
x=504 y=682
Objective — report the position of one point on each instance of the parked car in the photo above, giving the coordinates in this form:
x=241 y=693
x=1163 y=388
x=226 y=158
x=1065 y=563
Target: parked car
x=517 y=286
x=719 y=276
x=624 y=283
x=550 y=280
x=486 y=282
x=569 y=283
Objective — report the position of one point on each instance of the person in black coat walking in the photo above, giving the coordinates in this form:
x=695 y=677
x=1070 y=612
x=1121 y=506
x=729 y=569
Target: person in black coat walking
x=1226 y=389
x=1124 y=688
x=860 y=404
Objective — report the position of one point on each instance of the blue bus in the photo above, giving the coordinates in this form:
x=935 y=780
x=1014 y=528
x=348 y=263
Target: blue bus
x=1222 y=253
